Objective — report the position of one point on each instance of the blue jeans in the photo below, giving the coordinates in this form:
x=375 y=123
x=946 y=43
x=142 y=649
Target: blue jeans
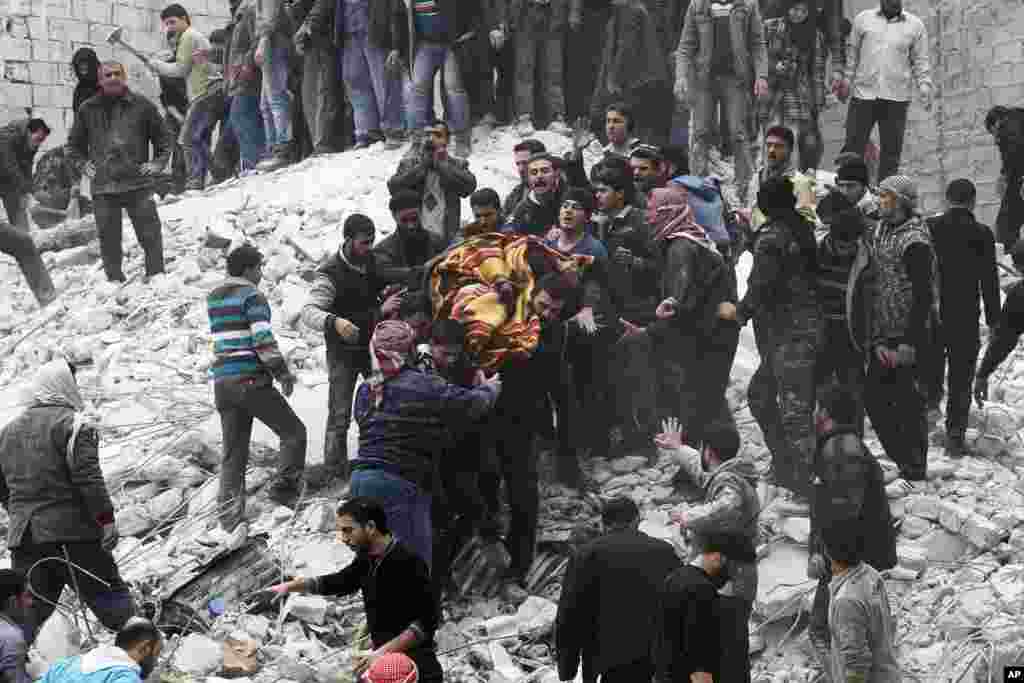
x=407 y=508
x=275 y=100
x=419 y=93
x=376 y=97
x=247 y=125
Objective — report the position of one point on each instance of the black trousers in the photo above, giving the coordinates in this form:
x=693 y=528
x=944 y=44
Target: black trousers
x=958 y=357
x=640 y=671
x=112 y=603
x=891 y=118
x=583 y=64
x=17 y=211
x=896 y=406
x=734 y=639
x=839 y=361
x=142 y=211
x=1011 y=213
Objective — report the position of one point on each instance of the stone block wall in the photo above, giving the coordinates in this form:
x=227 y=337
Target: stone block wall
x=977 y=49
x=38 y=38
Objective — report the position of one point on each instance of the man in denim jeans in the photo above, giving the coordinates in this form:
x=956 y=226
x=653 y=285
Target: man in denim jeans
x=247 y=361
x=243 y=87
x=273 y=27
x=405 y=419
x=435 y=26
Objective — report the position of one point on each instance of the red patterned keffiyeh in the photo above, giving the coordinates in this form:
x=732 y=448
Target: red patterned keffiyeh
x=673 y=215
x=393 y=667
x=390 y=347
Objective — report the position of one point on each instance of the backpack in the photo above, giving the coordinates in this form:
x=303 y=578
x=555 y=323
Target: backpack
x=708 y=205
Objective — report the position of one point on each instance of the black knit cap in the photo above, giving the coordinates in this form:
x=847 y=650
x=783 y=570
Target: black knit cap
x=358 y=224
x=404 y=199
x=733 y=546
x=853 y=169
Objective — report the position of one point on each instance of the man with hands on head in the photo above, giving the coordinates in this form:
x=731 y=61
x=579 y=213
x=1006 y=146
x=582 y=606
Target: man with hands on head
x=402 y=613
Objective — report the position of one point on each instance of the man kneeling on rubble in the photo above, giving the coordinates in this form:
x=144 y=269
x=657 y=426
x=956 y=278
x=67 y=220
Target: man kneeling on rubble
x=58 y=504
x=401 y=610
x=131 y=659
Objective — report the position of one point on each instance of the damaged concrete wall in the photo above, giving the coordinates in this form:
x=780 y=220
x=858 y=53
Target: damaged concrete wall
x=38 y=38
x=977 y=48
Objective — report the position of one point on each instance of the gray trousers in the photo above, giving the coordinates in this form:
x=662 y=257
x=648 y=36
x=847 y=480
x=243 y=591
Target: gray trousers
x=321 y=92
x=539 y=50
x=18 y=243
x=735 y=97
x=344 y=373
x=239 y=402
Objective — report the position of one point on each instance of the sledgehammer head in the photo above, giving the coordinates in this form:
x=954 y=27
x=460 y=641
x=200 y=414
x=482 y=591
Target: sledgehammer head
x=115 y=36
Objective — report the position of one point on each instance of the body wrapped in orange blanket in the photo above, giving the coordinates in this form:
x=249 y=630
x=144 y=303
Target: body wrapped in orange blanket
x=487 y=282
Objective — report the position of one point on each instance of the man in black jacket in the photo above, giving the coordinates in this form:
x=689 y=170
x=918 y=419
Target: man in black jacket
x=1006 y=125
x=1006 y=331
x=610 y=628
x=110 y=140
x=687 y=646
x=400 y=257
x=966 y=253
x=537 y=211
x=848 y=487
x=343 y=305
x=19 y=142
x=522 y=153
x=402 y=613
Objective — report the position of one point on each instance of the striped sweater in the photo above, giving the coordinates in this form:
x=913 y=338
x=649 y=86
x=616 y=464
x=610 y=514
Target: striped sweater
x=243 y=341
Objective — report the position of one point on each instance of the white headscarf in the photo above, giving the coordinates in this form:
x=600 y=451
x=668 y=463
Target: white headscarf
x=54 y=385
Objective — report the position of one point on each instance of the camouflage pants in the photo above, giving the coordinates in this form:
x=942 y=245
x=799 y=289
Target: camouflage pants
x=781 y=395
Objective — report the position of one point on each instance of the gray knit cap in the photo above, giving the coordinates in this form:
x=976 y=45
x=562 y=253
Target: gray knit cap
x=901 y=186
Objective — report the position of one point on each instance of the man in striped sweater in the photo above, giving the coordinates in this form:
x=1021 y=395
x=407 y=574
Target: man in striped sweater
x=247 y=362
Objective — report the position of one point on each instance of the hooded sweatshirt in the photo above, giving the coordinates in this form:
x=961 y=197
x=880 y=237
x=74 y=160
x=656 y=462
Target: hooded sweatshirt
x=105 y=664
x=89 y=84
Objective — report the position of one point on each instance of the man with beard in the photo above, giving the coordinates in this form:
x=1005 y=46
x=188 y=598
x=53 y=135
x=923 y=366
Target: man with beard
x=893 y=279
x=966 y=253
x=781 y=299
x=342 y=304
x=779 y=143
x=440 y=179
x=110 y=139
x=15 y=600
x=402 y=613
x=887 y=53
x=522 y=153
x=131 y=659
x=848 y=486
x=650 y=170
x=400 y=257
x=537 y=211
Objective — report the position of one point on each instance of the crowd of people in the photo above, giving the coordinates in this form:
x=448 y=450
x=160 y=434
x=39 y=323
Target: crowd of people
x=590 y=312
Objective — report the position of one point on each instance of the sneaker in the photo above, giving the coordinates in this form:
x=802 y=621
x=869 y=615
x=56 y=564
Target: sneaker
x=361 y=144
x=898 y=488
x=280 y=158
x=221 y=538
x=559 y=127
x=524 y=126
x=324 y=150
x=194 y=184
x=394 y=139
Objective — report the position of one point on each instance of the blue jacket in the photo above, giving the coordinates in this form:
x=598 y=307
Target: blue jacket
x=706 y=202
x=105 y=664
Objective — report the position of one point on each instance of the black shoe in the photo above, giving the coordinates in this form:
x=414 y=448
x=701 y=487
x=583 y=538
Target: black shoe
x=284 y=494
x=955 y=446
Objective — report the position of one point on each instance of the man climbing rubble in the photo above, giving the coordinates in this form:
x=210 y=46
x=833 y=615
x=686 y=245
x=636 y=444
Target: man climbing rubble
x=110 y=141
x=848 y=486
x=731 y=507
x=59 y=507
x=131 y=659
x=404 y=417
x=343 y=304
x=247 y=362
x=401 y=611
x=19 y=142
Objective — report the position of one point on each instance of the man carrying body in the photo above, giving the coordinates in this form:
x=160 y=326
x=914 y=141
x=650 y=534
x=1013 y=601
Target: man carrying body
x=607 y=627
x=966 y=254
x=400 y=257
x=343 y=305
x=58 y=504
x=401 y=611
x=110 y=139
x=440 y=179
x=248 y=360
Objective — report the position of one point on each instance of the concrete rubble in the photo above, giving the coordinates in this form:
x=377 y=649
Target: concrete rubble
x=957 y=591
